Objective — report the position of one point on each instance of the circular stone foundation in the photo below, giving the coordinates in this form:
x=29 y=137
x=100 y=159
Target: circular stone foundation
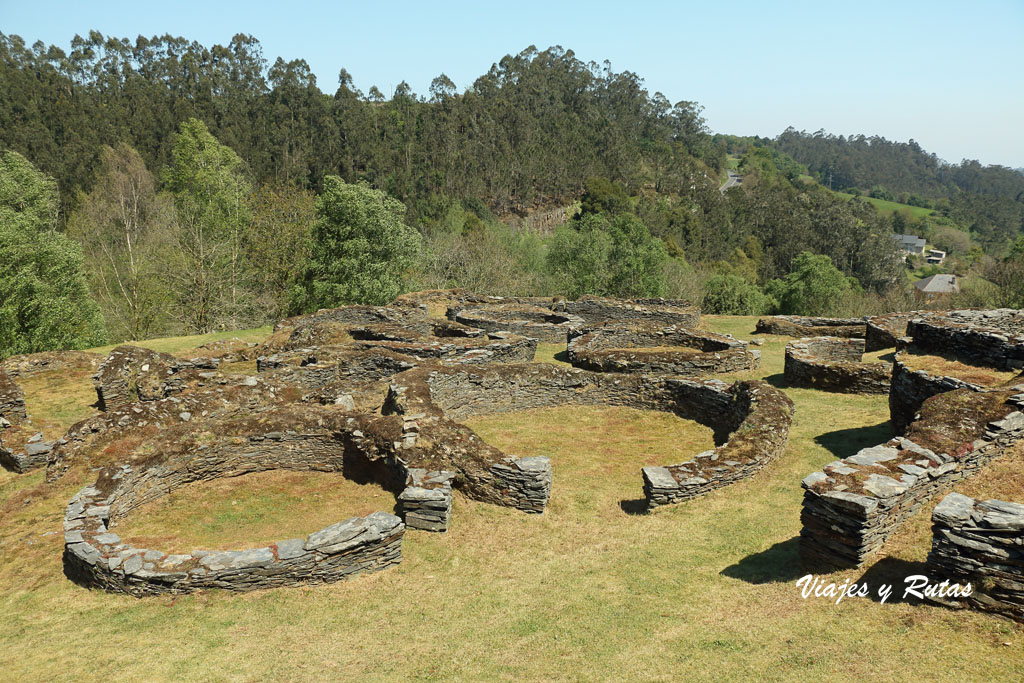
x=658 y=349
x=534 y=322
x=802 y=326
x=95 y=556
x=750 y=419
x=834 y=364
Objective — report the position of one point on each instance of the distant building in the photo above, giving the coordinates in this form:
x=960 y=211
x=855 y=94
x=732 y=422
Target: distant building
x=935 y=256
x=912 y=244
x=936 y=286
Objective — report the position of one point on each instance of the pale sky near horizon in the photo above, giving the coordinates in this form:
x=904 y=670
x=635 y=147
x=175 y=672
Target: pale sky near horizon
x=947 y=74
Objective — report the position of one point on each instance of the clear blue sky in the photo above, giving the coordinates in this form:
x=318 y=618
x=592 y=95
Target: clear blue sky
x=949 y=74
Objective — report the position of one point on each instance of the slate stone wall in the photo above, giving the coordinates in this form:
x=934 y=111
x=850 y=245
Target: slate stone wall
x=620 y=348
x=12 y=399
x=980 y=542
x=834 y=364
x=664 y=312
x=534 y=322
x=851 y=506
x=95 y=556
x=882 y=331
x=802 y=326
x=910 y=388
x=991 y=338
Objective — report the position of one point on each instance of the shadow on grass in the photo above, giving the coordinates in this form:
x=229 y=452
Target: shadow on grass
x=892 y=571
x=562 y=356
x=889 y=357
x=778 y=564
x=843 y=443
x=637 y=506
x=776 y=380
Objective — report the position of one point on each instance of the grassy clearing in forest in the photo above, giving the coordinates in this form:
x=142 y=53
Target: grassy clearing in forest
x=587 y=591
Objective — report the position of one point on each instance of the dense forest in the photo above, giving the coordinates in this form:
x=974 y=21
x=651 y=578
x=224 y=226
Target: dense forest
x=988 y=200
x=188 y=188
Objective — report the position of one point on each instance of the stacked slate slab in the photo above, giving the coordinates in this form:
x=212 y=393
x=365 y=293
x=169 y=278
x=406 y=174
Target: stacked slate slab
x=426 y=502
x=34 y=454
x=980 y=543
x=852 y=505
x=803 y=326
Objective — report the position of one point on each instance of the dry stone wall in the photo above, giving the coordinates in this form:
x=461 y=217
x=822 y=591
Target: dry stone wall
x=990 y=338
x=802 y=326
x=750 y=419
x=132 y=373
x=534 y=322
x=599 y=310
x=12 y=401
x=883 y=331
x=834 y=364
x=639 y=348
x=980 y=543
x=910 y=388
x=851 y=506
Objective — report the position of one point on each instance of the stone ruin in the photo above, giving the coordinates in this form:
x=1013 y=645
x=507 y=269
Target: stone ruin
x=650 y=348
x=884 y=331
x=834 y=364
x=993 y=339
x=951 y=430
x=803 y=326
x=376 y=394
x=534 y=322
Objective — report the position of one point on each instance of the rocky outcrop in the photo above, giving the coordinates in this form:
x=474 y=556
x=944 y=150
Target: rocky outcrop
x=980 y=543
x=834 y=364
x=647 y=348
x=851 y=506
x=802 y=326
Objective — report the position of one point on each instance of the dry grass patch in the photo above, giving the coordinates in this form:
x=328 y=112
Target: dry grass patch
x=606 y=445
x=57 y=399
x=947 y=366
x=250 y=511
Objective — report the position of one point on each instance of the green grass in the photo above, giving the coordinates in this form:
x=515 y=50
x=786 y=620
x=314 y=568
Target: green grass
x=587 y=591
x=887 y=207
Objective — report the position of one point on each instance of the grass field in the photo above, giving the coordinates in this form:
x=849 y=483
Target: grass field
x=587 y=591
x=885 y=206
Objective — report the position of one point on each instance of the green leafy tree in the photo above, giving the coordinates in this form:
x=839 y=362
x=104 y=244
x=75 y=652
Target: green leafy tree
x=580 y=255
x=124 y=229
x=814 y=287
x=637 y=259
x=360 y=249
x=732 y=294
x=44 y=296
x=210 y=190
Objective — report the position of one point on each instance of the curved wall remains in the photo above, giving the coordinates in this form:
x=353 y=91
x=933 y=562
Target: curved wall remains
x=803 y=326
x=834 y=364
x=641 y=348
x=97 y=557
